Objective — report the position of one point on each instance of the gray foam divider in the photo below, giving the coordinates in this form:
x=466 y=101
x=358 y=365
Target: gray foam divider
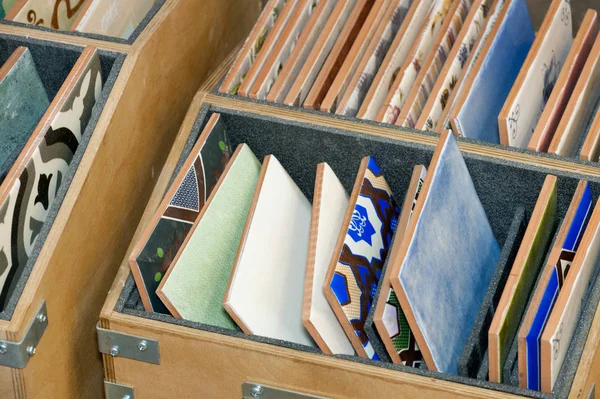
x=134 y=35
x=54 y=61
x=510 y=370
x=477 y=343
x=404 y=129
x=483 y=372
x=502 y=186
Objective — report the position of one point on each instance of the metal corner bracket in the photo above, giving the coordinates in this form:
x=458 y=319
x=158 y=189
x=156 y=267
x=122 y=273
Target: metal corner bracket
x=16 y=354
x=112 y=390
x=251 y=390
x=118 y=344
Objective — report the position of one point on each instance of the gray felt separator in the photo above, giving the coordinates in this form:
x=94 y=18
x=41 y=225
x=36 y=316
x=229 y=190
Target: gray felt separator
x=483 y=372
x=575 y=159
x=51 y=56
x=501 y=185
x=134 y=35
x=477 y=343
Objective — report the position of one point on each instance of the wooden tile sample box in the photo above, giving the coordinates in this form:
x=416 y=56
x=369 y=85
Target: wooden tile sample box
x=226 y=361
x=116 y=174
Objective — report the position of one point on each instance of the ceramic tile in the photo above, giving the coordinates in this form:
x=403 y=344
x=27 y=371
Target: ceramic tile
x=265 y=292
x=448 y=222
x=321 y=48
x=563 y=89
x=535 y=82
x=286 y=15
x=521 y=280
x=407 y=74
x=372 y=59
x=195 y=284
x=454 y=66
x=343 y=43
x=563 y=320
x=112 y=17
x=427 y=77
x=251 y=47
x=476 y=113
x=465 y=78
x=25 y=102
x=552 y=279
x=329 y=206
x=591 y=146
x=27 y=194
x=580 y=109
x=5 y=7
x=369 y=30
x=360 y=252
x=292 y=49
x=55 y=14
x=177 y=213
x=389 y=318
x=394 y=59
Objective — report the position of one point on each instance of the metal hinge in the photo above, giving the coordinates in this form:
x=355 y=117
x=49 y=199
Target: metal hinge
x=112 y=390
x=251 y=390
x=118 y=344
x=17 y=354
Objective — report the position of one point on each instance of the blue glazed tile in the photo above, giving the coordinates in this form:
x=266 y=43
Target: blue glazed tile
x=450 y=258
x=478 y=117
x=365 y=248
x=553 y=286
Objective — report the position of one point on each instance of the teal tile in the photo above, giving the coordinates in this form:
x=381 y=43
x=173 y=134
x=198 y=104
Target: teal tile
x=25 y=101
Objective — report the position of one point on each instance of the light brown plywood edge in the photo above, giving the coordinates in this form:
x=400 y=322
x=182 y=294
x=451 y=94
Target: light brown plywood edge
x=213 y=80
x=337 y=250
x=591 y=145
x=268 y=364
x=588 y=372
x=117 y=173
x=160 y=188
x=59 y=37
x=155 y=199
x=217 y=355
x=310 y=262
x=497 y=154
x=71 y=316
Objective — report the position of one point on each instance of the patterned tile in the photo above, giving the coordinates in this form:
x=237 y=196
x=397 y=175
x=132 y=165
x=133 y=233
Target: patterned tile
x=32 y=184
x=175 y=216
x=352 y=280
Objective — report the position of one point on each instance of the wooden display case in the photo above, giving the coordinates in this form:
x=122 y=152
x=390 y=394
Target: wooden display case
x=198 y=360
x=123 y=159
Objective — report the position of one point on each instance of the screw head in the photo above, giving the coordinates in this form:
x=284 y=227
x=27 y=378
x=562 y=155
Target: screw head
x=31 y=350
x=126 y=397
x=42 y=318
x=114 y=351
x=3 y=349
x=257 y=391
x=143 y=346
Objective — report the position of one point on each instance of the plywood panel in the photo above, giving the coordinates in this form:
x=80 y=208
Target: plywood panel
x=116 y=175
x=227 y=362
